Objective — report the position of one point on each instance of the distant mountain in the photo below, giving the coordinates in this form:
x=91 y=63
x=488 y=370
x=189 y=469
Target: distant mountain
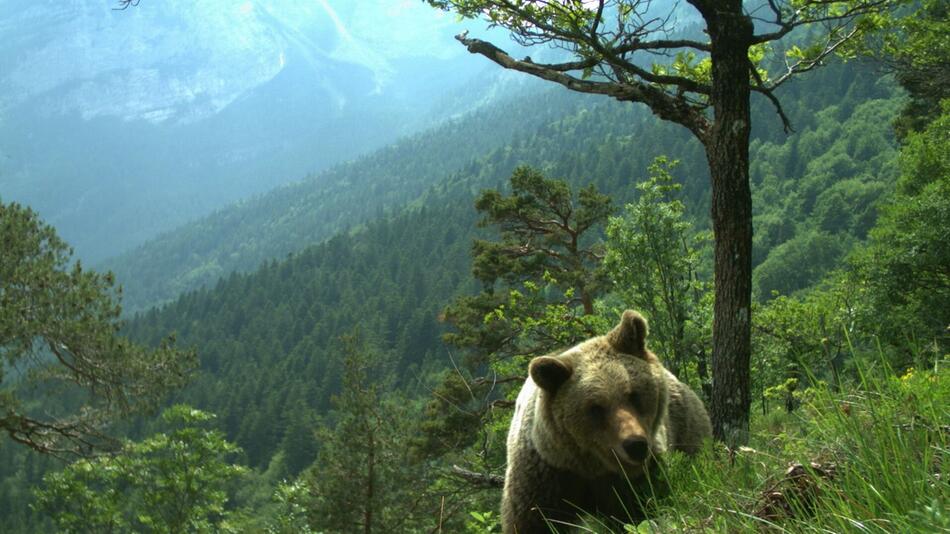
x=117 y=125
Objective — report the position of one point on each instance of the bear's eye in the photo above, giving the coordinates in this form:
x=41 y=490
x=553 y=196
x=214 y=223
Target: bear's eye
x=596 y=412
x=636 y=400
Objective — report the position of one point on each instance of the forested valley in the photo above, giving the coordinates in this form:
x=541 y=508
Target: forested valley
x=352 y=344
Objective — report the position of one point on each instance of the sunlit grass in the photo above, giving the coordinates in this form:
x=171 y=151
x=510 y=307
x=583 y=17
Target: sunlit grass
x=871 y=458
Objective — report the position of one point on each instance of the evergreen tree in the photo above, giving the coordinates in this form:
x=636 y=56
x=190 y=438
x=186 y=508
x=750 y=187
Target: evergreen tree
x=542 y=230
x=905 y=267
x=915 y=47
x=59 y=329
x=539 y=283
x=362 y=480
x=546 y=236
x=291 y=515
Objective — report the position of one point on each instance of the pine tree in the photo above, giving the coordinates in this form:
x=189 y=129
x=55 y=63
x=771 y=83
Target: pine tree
x=362 y=479
x=59 y=327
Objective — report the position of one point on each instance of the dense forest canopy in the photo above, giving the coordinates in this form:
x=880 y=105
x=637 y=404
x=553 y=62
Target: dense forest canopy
x=360 y=335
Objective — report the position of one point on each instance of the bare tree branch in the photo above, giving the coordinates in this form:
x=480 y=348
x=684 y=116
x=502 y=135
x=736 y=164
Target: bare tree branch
x=664 y=105
x=125 y=4
x=787 y=21
x=76 y=437
x=485 y=480
x=807 y=64
x=760 y=87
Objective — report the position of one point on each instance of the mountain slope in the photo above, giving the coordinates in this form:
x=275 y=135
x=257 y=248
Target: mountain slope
x=118 y=125
x=267 y=339
x=289 y=218
x=610 y=143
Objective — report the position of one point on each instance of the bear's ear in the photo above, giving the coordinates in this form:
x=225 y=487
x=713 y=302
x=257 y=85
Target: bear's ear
x=550 y=372
x=629 y=337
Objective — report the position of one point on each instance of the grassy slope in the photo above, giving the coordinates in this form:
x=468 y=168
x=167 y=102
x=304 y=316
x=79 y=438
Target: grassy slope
x=870 y=458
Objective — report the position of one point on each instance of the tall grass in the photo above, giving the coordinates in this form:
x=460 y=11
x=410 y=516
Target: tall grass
x=873 y=457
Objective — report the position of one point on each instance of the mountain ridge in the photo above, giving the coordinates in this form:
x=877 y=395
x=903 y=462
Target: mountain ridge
x=293 y=216
x=157 y=115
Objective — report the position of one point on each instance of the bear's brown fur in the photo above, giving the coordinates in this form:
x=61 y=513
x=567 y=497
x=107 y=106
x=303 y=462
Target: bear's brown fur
x=588 y=423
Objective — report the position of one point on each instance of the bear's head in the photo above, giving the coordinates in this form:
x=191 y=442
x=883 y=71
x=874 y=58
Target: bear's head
x=602 y=404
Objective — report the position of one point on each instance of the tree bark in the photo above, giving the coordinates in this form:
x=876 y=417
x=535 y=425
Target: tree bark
x=370 y=487
x=727 y=152
x=587 y=301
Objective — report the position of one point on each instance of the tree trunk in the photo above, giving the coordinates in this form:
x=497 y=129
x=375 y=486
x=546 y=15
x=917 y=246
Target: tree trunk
x=370 y=489
x=587 y=301
x=727 y=151
x=703 y=373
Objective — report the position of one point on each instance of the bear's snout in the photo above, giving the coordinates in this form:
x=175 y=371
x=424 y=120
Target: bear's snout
x=636 y=448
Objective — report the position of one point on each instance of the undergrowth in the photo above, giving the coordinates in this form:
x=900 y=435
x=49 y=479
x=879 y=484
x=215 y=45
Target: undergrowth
x=871 y=457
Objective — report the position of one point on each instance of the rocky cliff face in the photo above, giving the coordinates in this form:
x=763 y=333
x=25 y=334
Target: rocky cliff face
x=185 y=60
x=117 y=125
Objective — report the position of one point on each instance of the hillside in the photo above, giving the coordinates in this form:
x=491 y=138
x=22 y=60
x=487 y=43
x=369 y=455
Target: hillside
x=118 y=125
x=609 y=143
x=353 y=351
x=392 y=276
x=242 y=236
x=268 y=338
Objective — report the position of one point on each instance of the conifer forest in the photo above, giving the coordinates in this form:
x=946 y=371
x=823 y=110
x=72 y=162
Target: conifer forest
x=285 y=266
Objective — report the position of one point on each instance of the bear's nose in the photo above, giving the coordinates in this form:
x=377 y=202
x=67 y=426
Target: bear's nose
x=636 y=448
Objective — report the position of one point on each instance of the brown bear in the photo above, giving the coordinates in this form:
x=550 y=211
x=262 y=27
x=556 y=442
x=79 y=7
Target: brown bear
x=588 y=423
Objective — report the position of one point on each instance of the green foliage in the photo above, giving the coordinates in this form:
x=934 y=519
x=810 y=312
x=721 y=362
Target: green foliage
x=801 y=338
x=925 y=158
x=913 y=44
x=616 y=39
x=539 y=283
x=543 y=229
x=482 y=523
x=58 y=332
x=848 y=207
x=539 y=280
x=847 y=164
x=168 y=483
x=363 y=477
x=291 y=515
x=546 y=248
x=654 y=257
x=585 y=30
x=798 y=263
x=904 y=267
